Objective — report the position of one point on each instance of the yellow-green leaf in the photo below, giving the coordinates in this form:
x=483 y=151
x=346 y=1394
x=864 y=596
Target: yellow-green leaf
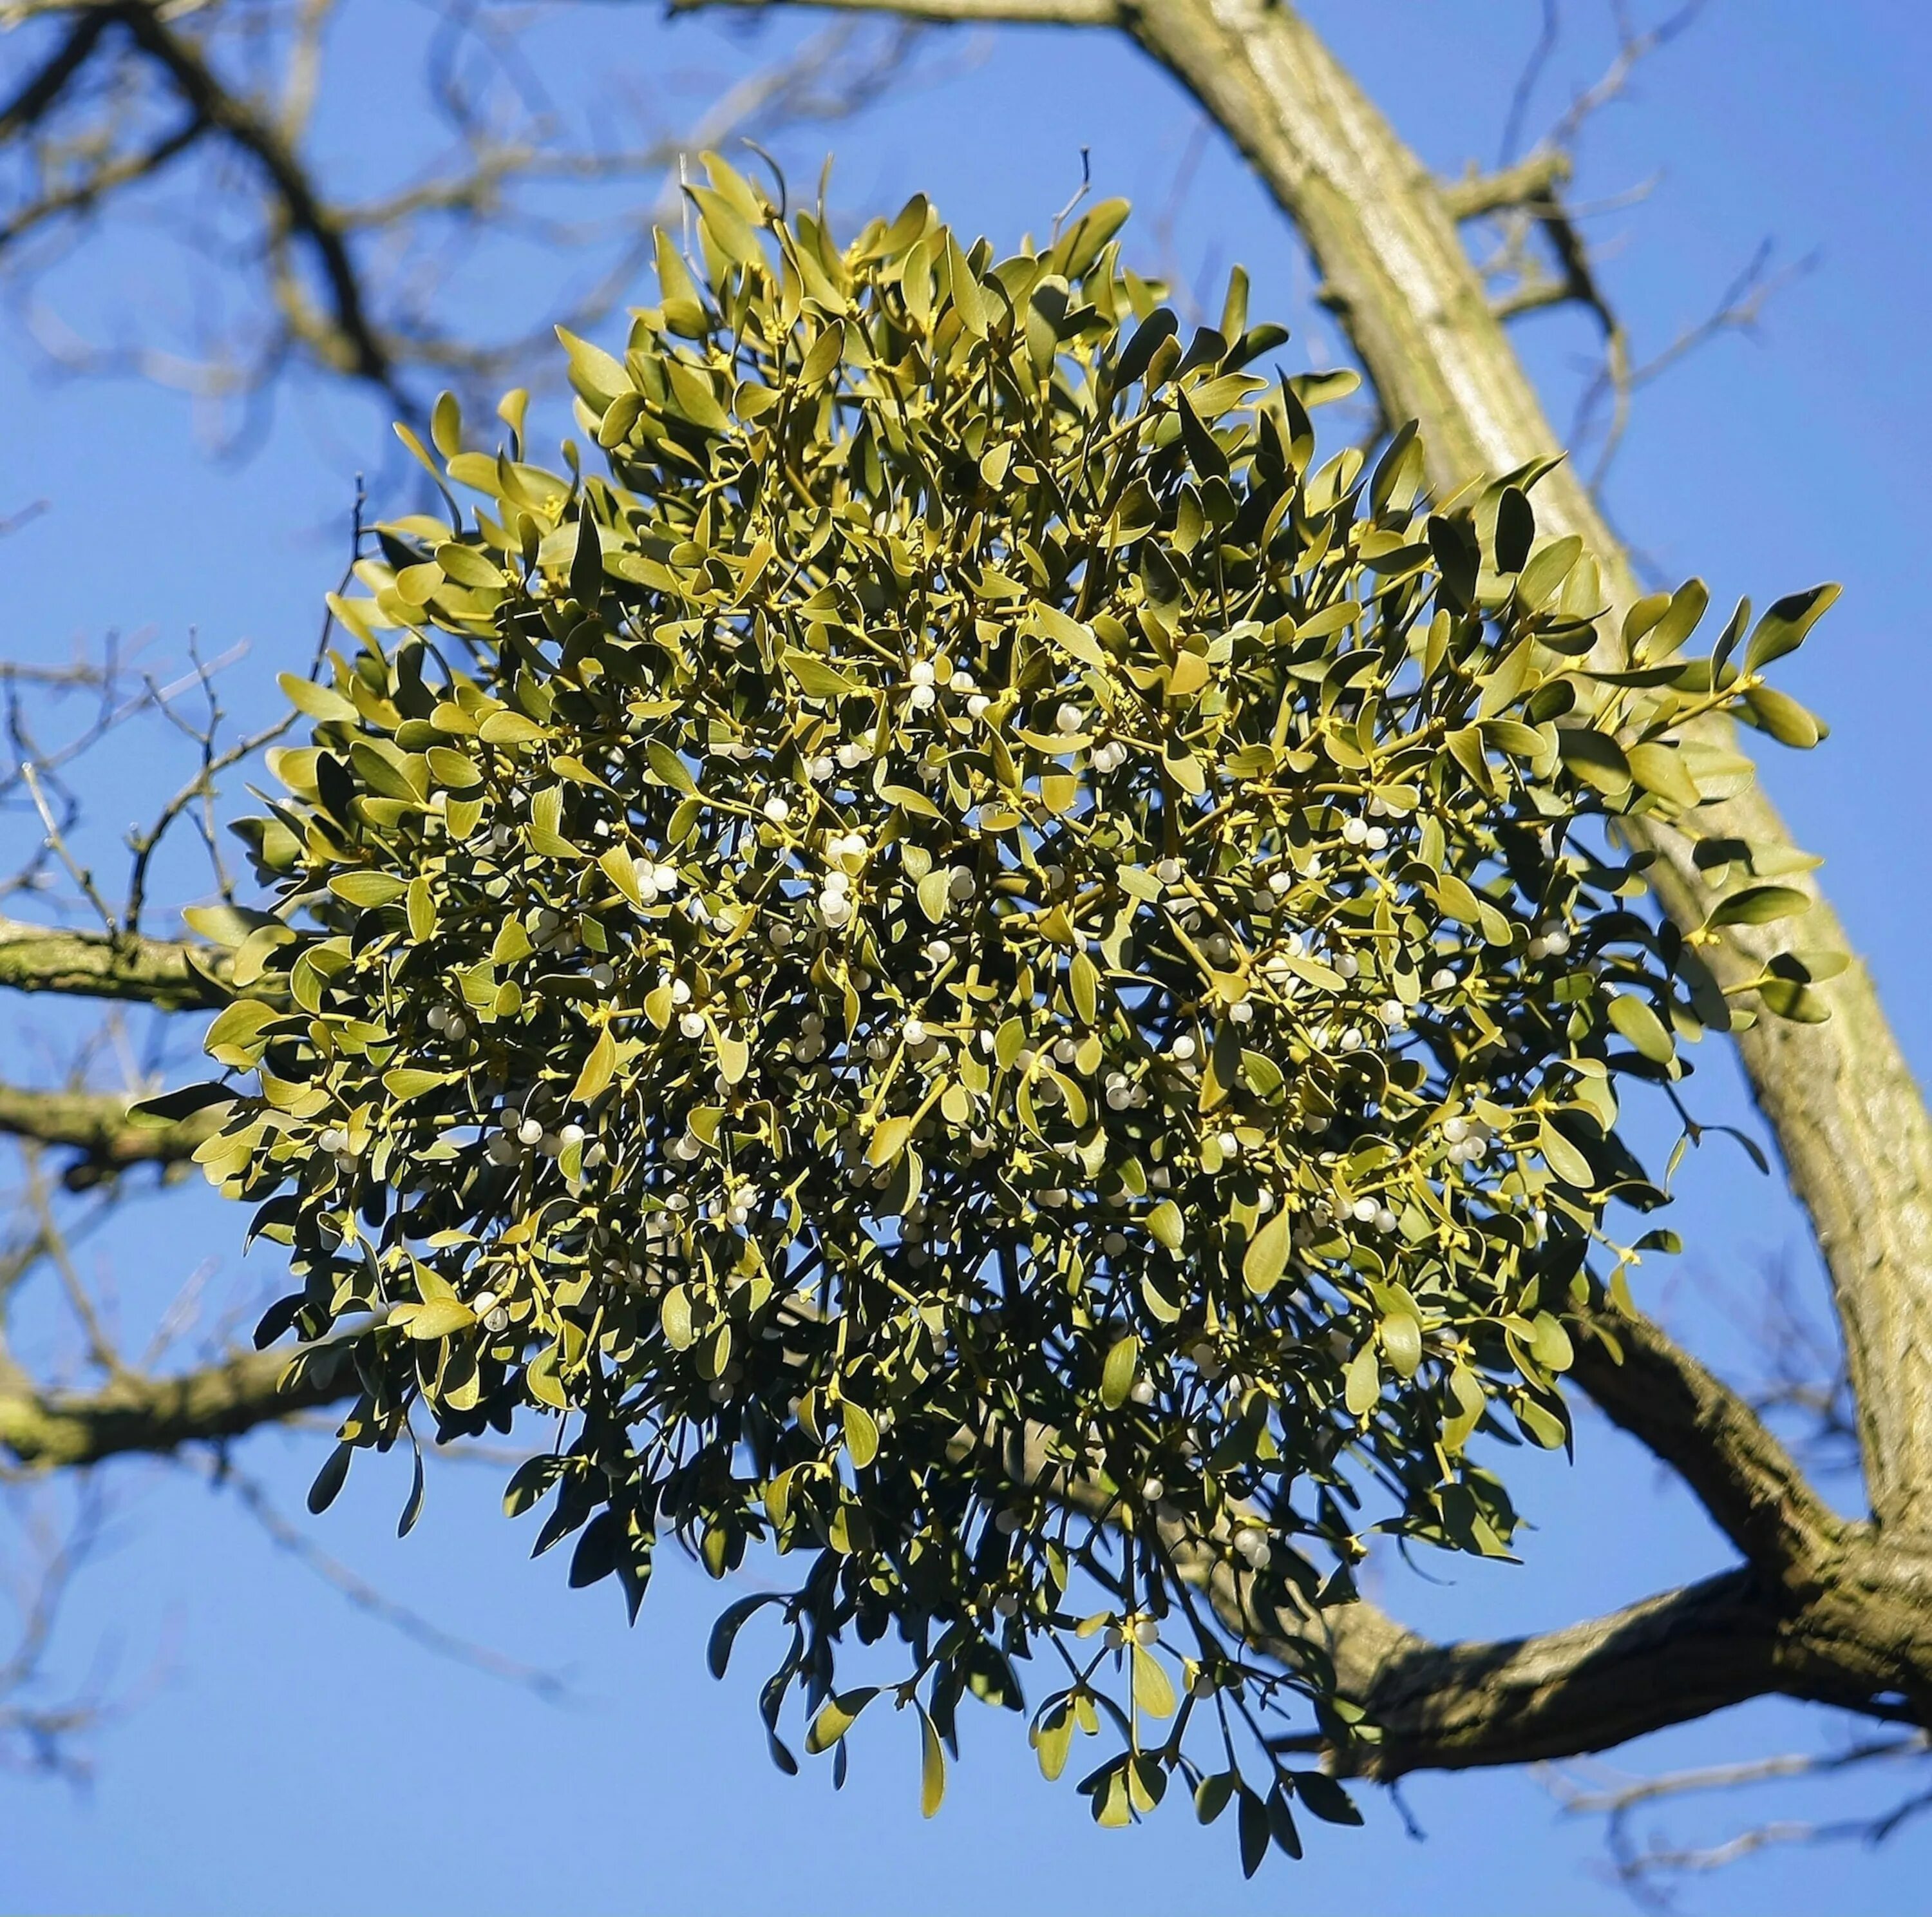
x=597 y=1070
x=1267 y=1255
x=1634 y=1017
x=406 y=1082
x=1154 y=1689
x=1117 y=1375
x=932 y=1767
x=861 y=1434
x=437 y=1319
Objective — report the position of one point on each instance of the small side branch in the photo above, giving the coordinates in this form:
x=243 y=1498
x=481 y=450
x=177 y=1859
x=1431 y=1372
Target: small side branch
x=1528 y=182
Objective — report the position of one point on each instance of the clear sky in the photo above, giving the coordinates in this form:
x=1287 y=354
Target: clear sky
x=280 y=1751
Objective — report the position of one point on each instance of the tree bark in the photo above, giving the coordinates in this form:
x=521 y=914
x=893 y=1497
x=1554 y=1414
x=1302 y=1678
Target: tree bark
x=167 y=973
x=96 y=1124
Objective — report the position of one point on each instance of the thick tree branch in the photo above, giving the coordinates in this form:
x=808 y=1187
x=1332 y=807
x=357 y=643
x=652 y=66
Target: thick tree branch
x=168 y=973
x=132 y=1414
x=1743 y=1477
x=1669 y=1659
x=96 y=1124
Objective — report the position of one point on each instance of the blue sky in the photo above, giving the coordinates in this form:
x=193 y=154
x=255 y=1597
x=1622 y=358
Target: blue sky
x=282 y=1752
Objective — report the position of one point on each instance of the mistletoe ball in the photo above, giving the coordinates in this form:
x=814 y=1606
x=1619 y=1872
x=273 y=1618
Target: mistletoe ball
x=974 y=967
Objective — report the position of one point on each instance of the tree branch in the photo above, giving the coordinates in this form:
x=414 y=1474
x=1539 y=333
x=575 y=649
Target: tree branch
x=364 y=354
x=97 y=1124
x=132 y=1414
x=1667 y=1660
x=168 y=973
x=1526 y=183
x=1706 y=1432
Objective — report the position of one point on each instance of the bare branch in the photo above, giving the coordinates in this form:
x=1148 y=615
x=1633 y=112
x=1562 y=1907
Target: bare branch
x=551 y=1686
x=307 y=215
x=1635 y=45
x=1644 y=1866
x=1737 y=309
x=1548 y=33
x=1530 y=182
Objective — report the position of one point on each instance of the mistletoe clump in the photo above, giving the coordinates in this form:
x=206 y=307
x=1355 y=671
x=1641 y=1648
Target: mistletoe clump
x=977 y=971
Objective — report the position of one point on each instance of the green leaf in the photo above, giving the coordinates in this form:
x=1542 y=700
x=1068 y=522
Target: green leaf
x=1550 y=1346
x=235 y=1038
x=1659 y=768
x=1325 y=1797
x=1154 y=1689
x=1791 y=998
x=1362 y=1380
x=1083 y=982
x=1634 y=1017
x=1759 y=905
x=932 y=893
x=1679 y=619
x=668 y=768
x=435 y=1320
x=1783 y=626
x=1515 y=530
x=328 y=1481
x=736 y=237
x=319 y=702
x=1782 y=717
x=888 y=1141
x=511 y=728
x=406 y=1082
x=1117 y=1376
x=1547 y=569
x=1255 y=1837
x=1595 y=758
x=1211 y=1795
x=421 y=909
x=862 y=1434
x=730 y=1622
x=368 y=889
x=228 y=926
x=1267 y=1255
x=734 y=1055
x=448 y=766
x=1167 y=1224
x=595 y=374
x=1400 y=1332
x=1134 y=357
x=817 y=678
x=969 y=302
x=836 y=1716
x=1069 y=636
x=931 y=1768
x=1564 y=1158
x=171 y=1107
x=597 y=1069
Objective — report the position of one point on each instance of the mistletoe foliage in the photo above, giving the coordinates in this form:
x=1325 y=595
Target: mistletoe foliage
x=969 y=968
